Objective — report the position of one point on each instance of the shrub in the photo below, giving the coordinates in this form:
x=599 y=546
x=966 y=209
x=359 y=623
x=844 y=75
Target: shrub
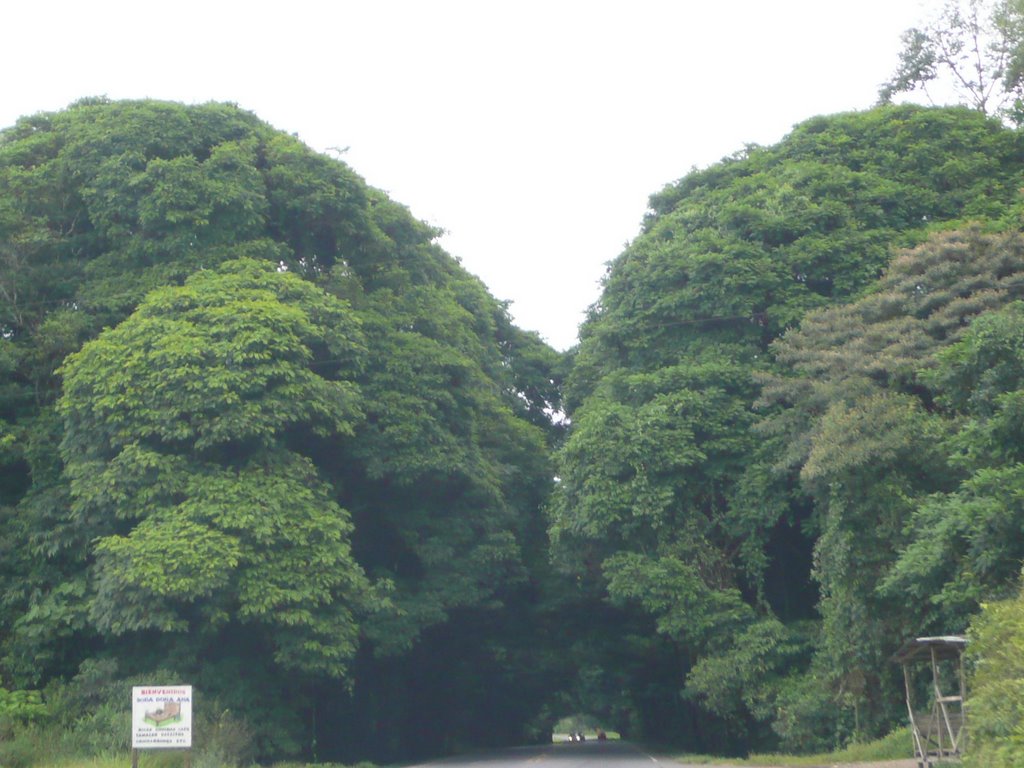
x=996 y=652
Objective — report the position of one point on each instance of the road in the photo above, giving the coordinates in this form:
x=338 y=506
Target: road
x=591 y=754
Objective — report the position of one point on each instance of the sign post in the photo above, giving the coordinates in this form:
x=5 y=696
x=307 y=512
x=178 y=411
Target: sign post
x=161 y=719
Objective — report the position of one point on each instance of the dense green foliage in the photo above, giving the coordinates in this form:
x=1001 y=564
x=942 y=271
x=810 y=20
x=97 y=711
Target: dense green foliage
x=997 y=686
x=765 y=430
x=260 y=433
x=198 y=513
x=256 y=427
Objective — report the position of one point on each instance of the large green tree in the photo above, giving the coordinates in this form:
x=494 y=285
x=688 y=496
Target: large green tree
x=863 y=414
x=341 y=393
x=184 y=440
x=669 y=501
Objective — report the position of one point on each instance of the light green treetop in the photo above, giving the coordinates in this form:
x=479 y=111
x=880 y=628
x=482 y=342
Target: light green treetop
x=186 y=428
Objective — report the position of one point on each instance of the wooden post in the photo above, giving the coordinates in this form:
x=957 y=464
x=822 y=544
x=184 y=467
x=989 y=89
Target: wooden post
x=135 y=758
x=937 y=707
x=963 y=704
x=915 y=732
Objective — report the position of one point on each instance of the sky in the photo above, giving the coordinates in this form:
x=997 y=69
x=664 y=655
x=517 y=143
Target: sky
x=531 y=132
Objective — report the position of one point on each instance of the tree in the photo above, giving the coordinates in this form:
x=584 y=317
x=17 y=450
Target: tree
x=419 y=446
x=185 y=428
x=965 y=545
x=858 y=399
x=975 y=47
x=670 y=501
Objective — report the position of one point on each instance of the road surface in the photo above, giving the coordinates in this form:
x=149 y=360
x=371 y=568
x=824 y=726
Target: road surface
x=590 y=754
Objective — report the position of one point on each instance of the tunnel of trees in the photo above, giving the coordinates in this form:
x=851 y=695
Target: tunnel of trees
x=260 y=433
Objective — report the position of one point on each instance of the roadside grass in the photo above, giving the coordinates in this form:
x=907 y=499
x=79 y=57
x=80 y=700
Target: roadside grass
x=167 y=760
x=146 y=760
x=113 y=761
x=895 y=746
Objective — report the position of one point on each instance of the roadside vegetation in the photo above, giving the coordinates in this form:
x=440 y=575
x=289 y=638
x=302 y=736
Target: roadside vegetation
x=895 y=746
x=173 y=760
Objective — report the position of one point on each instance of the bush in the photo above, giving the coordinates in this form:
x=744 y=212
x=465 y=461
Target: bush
x=21 y=748
x=91 y=717
x=805 y=716
x=93 y=709
x=996 y=654
x=19 y=708
x=222 y=741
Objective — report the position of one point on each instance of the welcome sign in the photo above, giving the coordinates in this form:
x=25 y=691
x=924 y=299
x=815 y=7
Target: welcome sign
x=162 y=717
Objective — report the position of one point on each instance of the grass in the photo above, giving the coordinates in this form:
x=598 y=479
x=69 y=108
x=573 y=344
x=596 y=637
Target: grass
x=161 y=759
x=146 y=760
x=896 y=746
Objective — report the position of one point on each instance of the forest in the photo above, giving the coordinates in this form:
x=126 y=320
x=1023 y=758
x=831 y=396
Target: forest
x=260 y=434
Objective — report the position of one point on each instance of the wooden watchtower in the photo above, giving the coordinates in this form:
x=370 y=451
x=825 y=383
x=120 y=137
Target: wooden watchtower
x=941 y=730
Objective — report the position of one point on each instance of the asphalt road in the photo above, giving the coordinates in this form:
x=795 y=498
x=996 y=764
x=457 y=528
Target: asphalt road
x=590 y=754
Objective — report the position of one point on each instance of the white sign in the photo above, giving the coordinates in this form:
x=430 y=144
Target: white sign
x=162 y=717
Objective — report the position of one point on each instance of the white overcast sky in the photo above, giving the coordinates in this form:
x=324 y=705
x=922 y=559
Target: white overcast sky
x=531 y=132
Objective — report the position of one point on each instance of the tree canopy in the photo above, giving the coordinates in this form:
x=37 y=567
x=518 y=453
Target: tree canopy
x=259 y=431
x=247 y=401
x=183 y=450
x=750 y=432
